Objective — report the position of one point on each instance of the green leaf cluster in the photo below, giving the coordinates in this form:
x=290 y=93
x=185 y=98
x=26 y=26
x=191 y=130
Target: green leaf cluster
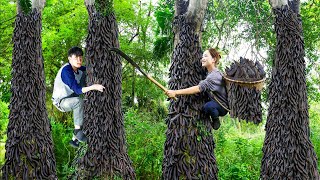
x=63 y=152
x=4 y=115
x=145 y=140
x=25 y=5
x=238 y=149
x=163 y=44
x=105 y=7
x=7 y=16
x=314 y=116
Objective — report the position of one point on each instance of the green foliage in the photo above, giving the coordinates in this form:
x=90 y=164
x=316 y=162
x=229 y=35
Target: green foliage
x=137 y=89
x=163 y=44
x=125 y=12
x=314 y=113
x=164 y=15
x=65 y=25
x=238 y=149
x=313 y=89
x=310 y=11
x=7 y=15
x=25 y=5
x=72 y=170
x=64 y=153
x=145 y=139
x=4 y=115
x=136 y=25
x=229 y=24
x=104 y=6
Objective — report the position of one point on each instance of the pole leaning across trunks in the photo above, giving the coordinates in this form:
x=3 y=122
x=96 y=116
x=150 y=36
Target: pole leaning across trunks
x=134 y=64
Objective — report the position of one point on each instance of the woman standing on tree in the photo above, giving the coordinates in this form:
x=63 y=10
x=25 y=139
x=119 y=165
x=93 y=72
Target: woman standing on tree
x=213 y=84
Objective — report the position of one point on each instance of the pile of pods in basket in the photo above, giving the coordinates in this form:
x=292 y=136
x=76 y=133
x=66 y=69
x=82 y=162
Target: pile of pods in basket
x=244 y=81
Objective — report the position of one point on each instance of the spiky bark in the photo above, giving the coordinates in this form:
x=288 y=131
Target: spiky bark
x=189 y=146
x=287 y=151
x=29 y=147
x=106 y=156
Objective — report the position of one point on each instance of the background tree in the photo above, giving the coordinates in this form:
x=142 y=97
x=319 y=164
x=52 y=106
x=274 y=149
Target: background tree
x=288 y=151
x=7 y=16
x=189 y=146
x=29 y=148
x=106 y=156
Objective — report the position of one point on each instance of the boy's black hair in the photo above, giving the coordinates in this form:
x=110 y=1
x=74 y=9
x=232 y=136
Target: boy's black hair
x=75 y=51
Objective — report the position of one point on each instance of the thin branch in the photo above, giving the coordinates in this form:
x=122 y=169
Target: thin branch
x=220 y=30
x=137 y=33
x=7 y=20
x=7 y=47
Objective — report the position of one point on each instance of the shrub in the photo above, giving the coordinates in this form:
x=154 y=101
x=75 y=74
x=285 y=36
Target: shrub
x=238 y=149
x=4 y=119
x=145 y=140
x=314 y=116
x=63 y=152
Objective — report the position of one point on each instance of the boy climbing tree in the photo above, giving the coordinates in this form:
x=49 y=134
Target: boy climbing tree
x=68 y=85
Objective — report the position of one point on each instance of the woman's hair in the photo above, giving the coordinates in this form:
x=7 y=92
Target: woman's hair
x=215 y=54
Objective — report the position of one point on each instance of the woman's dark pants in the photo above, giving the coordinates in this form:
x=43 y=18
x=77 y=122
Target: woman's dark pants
x=214 y=110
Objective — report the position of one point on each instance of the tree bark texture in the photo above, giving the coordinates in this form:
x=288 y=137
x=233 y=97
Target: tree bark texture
x=103 y=119
x=287 y=151
x=29 y=146
x=189 y=145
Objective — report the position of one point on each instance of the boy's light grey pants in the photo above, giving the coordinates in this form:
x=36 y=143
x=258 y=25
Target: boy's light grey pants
x=74 y=104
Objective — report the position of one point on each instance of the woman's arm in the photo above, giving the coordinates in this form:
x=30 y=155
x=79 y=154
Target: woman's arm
x=186 y=91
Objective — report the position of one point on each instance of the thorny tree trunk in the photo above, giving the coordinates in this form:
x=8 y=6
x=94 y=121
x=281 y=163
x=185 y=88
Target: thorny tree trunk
x=189 y=146
x=103 y=119
x=288 y=152
x=29 y=147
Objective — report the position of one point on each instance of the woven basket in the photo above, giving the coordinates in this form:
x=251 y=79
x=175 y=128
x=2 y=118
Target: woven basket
x=254 y=84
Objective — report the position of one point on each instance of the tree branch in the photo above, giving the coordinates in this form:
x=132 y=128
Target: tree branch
x=278 y=3
x=89 y=2
x=7 y=20
x=131 y=39
x=38 y=4
x=193 y=10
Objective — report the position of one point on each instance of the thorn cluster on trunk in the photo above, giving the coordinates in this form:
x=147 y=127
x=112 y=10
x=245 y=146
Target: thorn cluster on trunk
x=29 y=146
x=189 y=145
x=107 y=155
x=287 y=151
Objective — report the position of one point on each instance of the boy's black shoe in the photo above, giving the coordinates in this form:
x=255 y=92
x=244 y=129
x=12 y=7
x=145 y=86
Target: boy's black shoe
x=74 y=143
x=215 y=123
x=80 y=136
